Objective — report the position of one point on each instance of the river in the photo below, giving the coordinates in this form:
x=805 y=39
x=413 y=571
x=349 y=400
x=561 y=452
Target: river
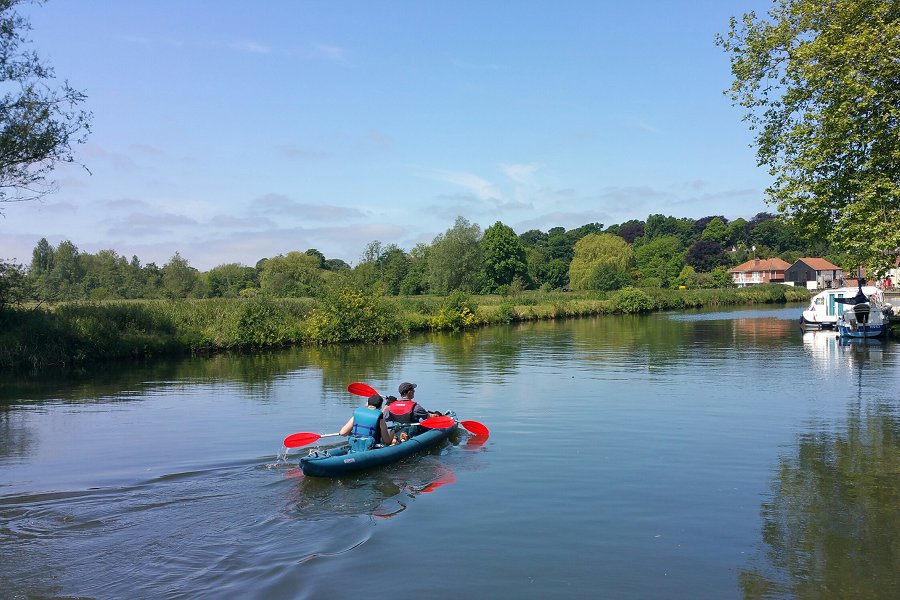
x=708 y=454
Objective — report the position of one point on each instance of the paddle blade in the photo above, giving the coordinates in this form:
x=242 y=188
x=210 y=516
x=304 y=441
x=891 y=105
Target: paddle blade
x=361 y=389
x=475 y=427
x=303 y=438
x=438 y=422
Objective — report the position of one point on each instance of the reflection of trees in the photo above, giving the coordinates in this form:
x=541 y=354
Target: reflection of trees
x=257 y=373
x=15 y=437
x=833 y=526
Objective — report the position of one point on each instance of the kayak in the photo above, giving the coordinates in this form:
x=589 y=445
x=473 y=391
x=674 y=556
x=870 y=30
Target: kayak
x=334 y=462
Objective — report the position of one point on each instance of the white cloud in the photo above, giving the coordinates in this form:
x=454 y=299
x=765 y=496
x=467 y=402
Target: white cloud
x=477 y=186
x=520 y=173
x=281 y=204
x=251 y=47
x=330 y=52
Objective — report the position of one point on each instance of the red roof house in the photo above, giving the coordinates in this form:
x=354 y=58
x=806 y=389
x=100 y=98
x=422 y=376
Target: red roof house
x=752 y=272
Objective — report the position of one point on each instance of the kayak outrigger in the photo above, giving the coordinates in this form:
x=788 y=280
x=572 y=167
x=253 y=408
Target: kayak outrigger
x=334 y=462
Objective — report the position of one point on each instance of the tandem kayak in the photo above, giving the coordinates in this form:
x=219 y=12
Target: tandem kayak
x=335 y=462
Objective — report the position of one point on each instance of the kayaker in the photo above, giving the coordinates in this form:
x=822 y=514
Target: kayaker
x=407 y=394
x=366 y=427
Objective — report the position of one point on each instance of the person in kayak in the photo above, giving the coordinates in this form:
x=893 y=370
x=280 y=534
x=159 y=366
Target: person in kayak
x=405 y=414
x=367 y=428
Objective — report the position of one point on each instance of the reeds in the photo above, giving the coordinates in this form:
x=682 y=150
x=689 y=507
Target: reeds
x=83 y=332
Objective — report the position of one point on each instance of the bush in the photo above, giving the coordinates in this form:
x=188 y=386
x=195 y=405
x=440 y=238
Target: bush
x=347 y=314
x=631 y=300
x=457 y=312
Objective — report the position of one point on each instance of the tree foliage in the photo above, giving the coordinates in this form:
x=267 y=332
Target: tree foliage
x=706 y=255
x=502 y=255
x=454 y=262
x=594 y=250
x=294 y=275
x=819 y=82
x=661 y=258
x=40 y=121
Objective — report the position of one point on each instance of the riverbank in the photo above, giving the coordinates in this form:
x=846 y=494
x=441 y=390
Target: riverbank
x=78 y=333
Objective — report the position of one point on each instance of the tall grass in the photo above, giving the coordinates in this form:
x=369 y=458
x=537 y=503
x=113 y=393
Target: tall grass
x=77 y=333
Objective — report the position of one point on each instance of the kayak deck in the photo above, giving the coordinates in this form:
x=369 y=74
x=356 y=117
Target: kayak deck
x=334 y=462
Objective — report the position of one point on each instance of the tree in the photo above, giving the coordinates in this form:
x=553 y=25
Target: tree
x=294 y=275
x=705 y=256
x=819 y=83
x=227 y=280
x=104 y=275
x=454 y=261
x=597 y=249
x=608 y=277
x=394 y=264
x=13 y=284
x=716 y=230
x=319 y=255
x=178 y=277
x=502 y=255
x=39 y=122
x=661 y=258
x=533 y=238
x=737 y=232
x=631 y=230
x=416 y=279
x=63 y=281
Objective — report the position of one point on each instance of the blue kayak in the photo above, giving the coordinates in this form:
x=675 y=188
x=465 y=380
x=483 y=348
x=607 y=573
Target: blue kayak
x=335 y=462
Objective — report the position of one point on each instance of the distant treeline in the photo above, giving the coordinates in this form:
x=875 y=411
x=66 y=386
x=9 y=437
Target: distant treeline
x=661 y=252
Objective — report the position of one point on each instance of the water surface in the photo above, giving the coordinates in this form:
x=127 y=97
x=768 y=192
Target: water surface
x=710 y=454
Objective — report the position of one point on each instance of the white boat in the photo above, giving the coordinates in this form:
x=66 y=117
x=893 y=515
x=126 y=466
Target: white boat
x=825 y=309
x=864 y=315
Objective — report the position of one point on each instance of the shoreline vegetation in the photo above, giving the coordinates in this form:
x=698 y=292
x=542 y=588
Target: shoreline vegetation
x=78 y=334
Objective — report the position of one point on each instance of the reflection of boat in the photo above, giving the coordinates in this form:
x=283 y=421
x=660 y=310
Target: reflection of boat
x=380 y=493
x=335 y=462
x=865 y=315
x=826 y=307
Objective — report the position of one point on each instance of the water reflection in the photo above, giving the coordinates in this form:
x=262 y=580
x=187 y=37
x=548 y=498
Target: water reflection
x=15 y=435
x=380 y=493
x=831 y=526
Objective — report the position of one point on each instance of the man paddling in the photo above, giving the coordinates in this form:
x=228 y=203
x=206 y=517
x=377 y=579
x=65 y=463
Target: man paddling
x=406 y=409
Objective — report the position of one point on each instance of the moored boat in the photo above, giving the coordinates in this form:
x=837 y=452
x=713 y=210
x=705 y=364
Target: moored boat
x=334 y=462
x=865 y=316
x=826 y=307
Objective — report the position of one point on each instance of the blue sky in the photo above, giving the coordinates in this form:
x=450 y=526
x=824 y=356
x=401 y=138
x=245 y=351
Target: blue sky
x=233 y=131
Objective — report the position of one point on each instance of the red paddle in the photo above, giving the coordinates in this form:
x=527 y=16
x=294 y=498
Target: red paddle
x=361 y=389
x=475 y=427
x=442 y=422
x=295 y=440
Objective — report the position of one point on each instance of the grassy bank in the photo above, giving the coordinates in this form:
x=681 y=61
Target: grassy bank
x=77 y=333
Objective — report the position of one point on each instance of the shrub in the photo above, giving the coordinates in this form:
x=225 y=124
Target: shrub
x=457 y=312
x=631 y=300
x=347 y=314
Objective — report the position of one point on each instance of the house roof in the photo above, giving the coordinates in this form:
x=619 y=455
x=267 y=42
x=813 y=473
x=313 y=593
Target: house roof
x=766 y=264
x=819 y=264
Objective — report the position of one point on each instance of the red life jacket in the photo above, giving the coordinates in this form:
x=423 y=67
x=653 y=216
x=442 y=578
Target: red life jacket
x=398 y=411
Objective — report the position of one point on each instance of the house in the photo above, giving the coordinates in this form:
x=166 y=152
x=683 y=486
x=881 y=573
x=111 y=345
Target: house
x=814 y=274
x=769 y=270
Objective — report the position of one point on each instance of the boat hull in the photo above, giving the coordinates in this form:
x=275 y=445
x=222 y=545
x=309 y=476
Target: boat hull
x=816 y=325
x=335 y=462
x=861 y=331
